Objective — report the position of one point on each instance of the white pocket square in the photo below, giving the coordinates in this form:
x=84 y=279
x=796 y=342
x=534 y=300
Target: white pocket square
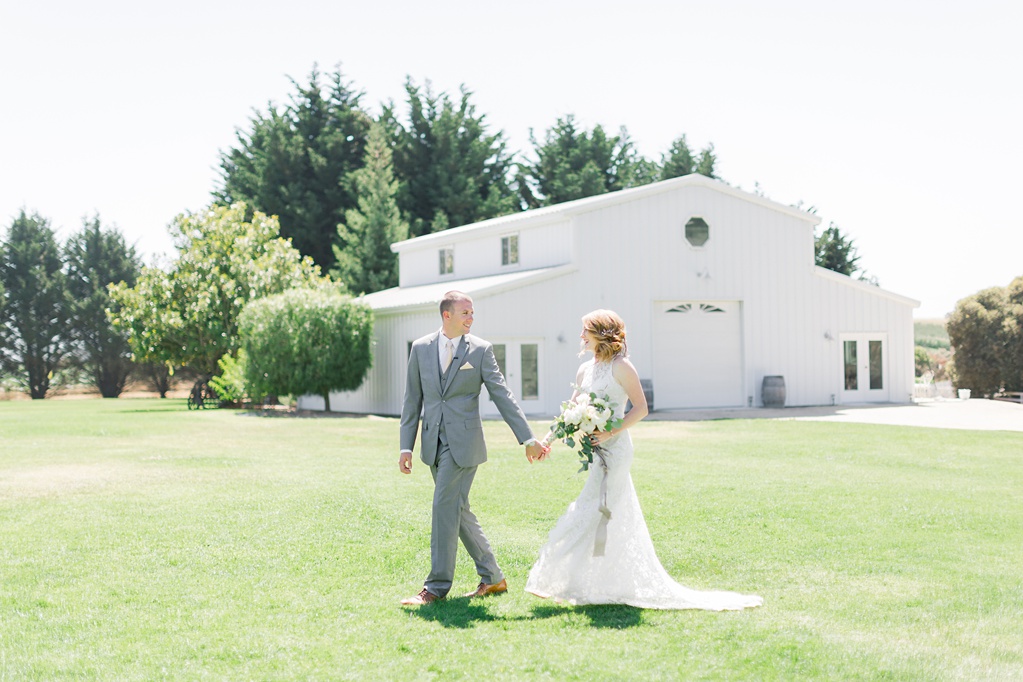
x=465 y=366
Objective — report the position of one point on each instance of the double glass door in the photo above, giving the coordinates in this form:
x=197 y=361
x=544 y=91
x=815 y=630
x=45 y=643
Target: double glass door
x=864 y=368
x=519 y=361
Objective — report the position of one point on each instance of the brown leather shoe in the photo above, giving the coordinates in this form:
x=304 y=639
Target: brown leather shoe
x=484 y=589
x=422 y=599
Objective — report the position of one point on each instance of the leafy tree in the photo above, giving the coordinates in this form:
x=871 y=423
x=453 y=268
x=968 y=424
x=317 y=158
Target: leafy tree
x=680 y=160
x=452 y=170
x=922 y=361
x=304 y=342
x=292 y=162
x=977 y=333
x=835 y=251
x=571 y=164
x=35 y=318
x=368 y=264
x=1012 y=326
x=187 y=316
x=96 y=257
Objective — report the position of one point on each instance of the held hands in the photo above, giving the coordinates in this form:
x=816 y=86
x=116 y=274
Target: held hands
x=537 y=452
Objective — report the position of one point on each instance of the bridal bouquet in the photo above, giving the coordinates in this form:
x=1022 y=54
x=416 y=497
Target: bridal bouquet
x=581 y=417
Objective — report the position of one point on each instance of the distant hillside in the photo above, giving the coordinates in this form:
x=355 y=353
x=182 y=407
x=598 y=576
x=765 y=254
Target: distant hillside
x=930 y=333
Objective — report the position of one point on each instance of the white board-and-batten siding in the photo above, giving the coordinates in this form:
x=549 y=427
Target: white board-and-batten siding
x=628 y=252
x=475 y=254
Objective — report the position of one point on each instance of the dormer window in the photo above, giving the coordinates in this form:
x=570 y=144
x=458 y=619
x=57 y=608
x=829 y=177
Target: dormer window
x=697 y=232
x=510 y=250
x=447 y=260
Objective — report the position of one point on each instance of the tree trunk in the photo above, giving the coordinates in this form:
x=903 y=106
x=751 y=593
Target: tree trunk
x=111 y=378
x=38 y=381
x=159 y=377
x=326 y=401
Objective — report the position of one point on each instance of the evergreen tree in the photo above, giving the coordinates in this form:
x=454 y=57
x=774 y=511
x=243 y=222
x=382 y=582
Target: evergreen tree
x=3 y=304
x=95 y=258
x=571 y=164
x=705 y=166
x=293 y=161
x=452 y=170
x=34 y=322
x=835 y=251
x=368 y=264
x=678 y=161
x=642 y=171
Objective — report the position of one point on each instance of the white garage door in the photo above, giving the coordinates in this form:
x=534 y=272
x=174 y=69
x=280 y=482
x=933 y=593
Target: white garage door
x=697 y=354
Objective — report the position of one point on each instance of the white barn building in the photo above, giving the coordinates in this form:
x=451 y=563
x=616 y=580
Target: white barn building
x=718 y=289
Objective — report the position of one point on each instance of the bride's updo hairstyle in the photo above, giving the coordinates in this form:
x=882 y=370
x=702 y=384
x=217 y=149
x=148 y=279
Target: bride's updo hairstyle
x=610 y=332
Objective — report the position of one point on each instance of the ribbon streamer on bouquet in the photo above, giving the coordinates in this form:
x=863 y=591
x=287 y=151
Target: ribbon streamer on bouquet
x=600 y=541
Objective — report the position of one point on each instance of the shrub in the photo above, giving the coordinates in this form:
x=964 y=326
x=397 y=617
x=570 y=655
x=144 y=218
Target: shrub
x=230 y=384
x=306 y=341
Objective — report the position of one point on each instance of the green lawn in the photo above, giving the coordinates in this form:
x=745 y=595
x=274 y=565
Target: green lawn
x=140 y=541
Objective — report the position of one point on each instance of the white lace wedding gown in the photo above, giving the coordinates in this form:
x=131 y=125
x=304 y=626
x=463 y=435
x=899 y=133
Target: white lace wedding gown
x=629 y=572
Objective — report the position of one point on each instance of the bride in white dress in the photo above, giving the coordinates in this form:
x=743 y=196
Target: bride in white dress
x=629 y=571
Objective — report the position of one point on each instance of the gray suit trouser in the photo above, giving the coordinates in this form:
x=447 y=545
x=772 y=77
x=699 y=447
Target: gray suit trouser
x=452 y=520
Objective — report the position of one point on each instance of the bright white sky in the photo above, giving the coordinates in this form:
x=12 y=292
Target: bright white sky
x=902 y=121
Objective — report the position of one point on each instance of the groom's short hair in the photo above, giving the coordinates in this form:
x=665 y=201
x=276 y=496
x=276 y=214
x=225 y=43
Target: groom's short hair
x=451 y=298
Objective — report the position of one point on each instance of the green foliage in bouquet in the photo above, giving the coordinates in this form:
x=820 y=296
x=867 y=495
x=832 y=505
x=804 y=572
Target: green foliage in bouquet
x=580 y=418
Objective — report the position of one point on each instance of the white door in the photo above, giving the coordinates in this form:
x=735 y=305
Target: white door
x=864 y=368
x=520 y=362
x=697 y=354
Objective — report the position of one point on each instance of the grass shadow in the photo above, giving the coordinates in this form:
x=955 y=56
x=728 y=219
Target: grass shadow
x=464 y=613
x=292 y=413
x=607 y=616
x=455 y=613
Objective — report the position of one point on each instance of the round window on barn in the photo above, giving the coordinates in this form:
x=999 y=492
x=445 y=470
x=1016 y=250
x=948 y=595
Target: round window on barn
x=697 y=231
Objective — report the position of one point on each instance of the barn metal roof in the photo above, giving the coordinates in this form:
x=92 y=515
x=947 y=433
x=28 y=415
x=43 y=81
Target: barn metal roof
x=403 y=298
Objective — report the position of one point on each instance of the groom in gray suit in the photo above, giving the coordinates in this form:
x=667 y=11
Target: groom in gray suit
x=446 y=370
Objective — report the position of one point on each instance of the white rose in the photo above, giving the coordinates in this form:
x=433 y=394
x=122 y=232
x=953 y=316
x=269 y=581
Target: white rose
x=573 y=414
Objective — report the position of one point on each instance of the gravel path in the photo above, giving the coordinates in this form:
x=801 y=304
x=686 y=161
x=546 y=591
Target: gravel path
x=977 y=415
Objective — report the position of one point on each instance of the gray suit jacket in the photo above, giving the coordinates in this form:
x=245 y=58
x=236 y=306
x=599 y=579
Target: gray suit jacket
x=454 y=402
